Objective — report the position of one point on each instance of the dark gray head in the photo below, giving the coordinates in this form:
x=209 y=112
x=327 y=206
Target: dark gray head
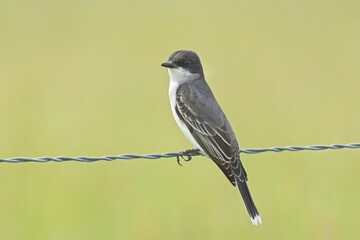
x=186 y=59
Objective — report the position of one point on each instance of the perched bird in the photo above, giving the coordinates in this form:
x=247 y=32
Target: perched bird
x=201 y=119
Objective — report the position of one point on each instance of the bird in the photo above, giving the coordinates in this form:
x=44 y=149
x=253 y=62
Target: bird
x=203 y=122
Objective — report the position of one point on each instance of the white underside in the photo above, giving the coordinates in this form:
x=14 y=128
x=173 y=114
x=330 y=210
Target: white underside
x=177 y=77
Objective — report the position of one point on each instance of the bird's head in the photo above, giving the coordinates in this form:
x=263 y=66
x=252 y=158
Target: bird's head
x=184 y=65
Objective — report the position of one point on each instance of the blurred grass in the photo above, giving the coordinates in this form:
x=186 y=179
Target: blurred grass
x=84 y=78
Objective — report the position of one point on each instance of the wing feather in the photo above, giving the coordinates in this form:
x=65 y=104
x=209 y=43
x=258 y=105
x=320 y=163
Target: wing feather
x=215 y=136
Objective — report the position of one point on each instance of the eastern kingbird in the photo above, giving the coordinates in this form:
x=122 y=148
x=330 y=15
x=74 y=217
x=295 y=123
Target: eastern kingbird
x=201 y=119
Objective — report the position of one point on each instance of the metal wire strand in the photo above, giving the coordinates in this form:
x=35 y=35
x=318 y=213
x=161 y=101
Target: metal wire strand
x=192 y=152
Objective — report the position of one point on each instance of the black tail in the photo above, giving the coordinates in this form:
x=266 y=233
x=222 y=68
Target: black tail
x=249 y=203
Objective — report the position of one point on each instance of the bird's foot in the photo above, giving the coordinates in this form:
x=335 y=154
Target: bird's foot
x=186 y=155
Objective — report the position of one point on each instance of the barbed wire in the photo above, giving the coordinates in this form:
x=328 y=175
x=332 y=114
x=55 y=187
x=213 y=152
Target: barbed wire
x=187 y=153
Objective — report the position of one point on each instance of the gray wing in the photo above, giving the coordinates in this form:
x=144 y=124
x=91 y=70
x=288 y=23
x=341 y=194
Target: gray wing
x=209 y=126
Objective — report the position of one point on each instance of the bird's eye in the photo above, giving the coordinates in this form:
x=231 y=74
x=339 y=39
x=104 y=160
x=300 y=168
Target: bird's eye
x=187 y=63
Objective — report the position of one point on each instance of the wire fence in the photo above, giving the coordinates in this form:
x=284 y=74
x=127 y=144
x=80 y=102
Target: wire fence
x=187 y=153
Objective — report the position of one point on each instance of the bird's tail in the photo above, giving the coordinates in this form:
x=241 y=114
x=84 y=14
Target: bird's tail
x=249 y=203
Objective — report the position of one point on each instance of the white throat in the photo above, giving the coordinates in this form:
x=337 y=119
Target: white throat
x=177 y=77
x=181 y=75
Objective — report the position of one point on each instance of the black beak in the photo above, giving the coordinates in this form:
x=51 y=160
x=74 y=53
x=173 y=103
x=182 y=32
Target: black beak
x=168 y=64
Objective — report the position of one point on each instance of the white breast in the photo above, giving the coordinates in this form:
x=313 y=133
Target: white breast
x=178 y=76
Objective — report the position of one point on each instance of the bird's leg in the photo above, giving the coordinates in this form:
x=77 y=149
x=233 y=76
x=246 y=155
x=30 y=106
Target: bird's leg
x=186 y=155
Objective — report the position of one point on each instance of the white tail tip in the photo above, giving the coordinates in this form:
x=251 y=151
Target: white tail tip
x=256 y=220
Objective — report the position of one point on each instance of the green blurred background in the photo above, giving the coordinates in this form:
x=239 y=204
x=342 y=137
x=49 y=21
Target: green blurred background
x=84 y=78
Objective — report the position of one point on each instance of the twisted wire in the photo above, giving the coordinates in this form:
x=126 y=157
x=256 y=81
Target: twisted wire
x=187 y=153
